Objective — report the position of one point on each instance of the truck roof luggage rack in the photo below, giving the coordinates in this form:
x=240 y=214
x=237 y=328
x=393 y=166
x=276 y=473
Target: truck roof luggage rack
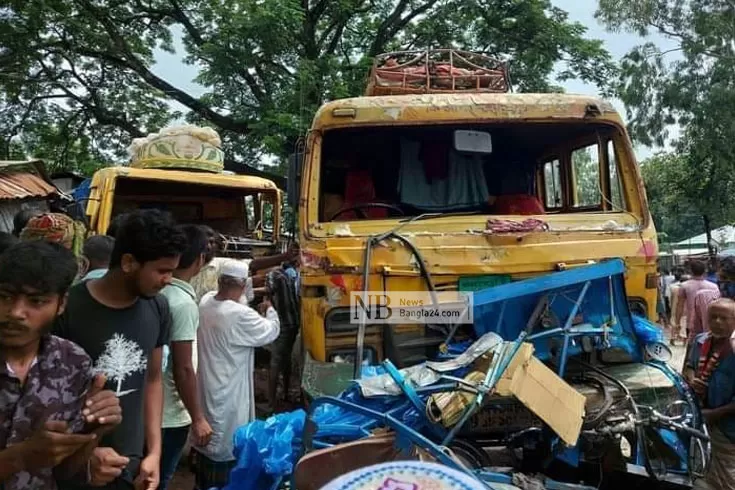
x=437 y=71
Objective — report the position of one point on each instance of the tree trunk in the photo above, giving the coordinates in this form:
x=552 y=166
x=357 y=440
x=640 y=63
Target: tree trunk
x=119 y=385
x=710 y=248
x=708 y=233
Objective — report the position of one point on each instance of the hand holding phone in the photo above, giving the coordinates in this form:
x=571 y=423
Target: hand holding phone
x=51 y=445
x=101 y=407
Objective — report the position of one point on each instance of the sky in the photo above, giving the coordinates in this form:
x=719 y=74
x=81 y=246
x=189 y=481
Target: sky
x=170 y=67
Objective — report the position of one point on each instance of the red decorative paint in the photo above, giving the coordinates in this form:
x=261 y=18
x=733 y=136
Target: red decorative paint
x=339 y=281
x=648 y=250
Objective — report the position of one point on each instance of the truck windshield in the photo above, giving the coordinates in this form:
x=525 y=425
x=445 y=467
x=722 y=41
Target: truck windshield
x=235 y=212
x=532 y=168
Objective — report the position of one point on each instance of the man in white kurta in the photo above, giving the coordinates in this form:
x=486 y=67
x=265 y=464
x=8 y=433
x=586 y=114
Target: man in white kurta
x=227 y=337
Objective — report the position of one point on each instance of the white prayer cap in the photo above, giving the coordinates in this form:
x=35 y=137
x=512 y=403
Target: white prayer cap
x=235 y=268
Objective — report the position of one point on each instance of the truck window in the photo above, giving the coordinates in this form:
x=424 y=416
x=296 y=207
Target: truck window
x=267 y=215
x=552 y=185
x=616 y=187
x=250 y=220
x=373 y=173
x=586 y=177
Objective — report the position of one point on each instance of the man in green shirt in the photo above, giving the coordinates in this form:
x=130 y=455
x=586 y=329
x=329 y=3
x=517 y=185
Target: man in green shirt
x=181 y=408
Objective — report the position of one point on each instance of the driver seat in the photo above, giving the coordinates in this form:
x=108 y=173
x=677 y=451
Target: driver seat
x=360 y=189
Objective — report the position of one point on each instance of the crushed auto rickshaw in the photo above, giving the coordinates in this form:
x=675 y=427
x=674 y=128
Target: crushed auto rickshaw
x=559 y=386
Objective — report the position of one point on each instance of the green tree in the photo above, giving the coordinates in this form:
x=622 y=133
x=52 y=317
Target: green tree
x=672 y=209
x=691 y=85
x=681 y=199
x=266 y=65
x=586 y=167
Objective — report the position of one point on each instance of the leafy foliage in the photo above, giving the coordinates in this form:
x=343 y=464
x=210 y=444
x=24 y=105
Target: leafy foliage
x=664 y=175
x=586 y=168
x=690 y=85
x=82 y=69
x=682 y=189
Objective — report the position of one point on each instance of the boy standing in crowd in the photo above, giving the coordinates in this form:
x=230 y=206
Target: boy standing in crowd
x=97 y=250
x=281 y=289
x=206 y=280
x=667 y=280
x=122 y=322
x=181 y=408
x=44 y=380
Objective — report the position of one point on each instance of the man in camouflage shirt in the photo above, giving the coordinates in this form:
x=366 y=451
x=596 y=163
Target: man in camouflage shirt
x=44 y=380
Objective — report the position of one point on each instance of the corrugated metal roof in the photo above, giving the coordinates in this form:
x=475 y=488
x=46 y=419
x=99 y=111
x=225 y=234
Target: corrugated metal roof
x=13 y=163
x=22 y=185
x=24 y=179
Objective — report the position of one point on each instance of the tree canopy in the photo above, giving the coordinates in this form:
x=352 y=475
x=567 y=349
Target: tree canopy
x=674 y=211
x=692 y=86
x=77 y=78
x=683 y=188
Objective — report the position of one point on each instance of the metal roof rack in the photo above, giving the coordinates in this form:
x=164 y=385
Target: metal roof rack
x=437 y=71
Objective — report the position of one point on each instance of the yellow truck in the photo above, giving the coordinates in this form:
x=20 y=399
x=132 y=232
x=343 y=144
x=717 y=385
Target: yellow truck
x=441 y=178
x=245 y=210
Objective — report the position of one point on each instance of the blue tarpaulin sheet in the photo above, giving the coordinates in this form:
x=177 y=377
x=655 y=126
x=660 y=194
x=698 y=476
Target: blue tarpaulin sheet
x=266 y=450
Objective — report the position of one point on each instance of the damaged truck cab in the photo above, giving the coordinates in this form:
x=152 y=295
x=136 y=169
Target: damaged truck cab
x=482 y=187
x=244 y=210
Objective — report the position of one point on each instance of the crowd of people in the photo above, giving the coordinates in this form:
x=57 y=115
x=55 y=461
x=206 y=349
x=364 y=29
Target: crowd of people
x=699 y=307
x=683 y=296
x=121 y=349
x=118 y=355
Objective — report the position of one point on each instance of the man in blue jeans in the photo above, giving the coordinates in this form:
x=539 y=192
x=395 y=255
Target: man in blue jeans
x=181 y=408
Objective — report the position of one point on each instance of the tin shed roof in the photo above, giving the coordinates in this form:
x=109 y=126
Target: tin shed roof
x=24 y=179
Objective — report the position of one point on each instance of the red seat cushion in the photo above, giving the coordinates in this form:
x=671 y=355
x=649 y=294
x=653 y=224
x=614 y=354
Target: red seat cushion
x=518 y=204
x=359 y=189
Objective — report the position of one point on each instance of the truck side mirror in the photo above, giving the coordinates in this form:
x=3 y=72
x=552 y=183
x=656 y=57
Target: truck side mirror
x=293 y=183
